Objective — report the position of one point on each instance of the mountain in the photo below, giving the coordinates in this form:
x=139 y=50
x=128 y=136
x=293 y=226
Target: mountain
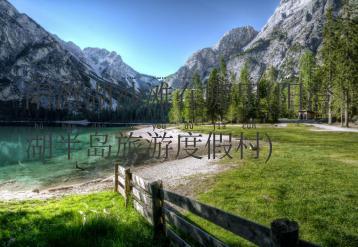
x=28 y=53
x=108 y=65
x=31 y=57
x=204 y=60
x=296 y=25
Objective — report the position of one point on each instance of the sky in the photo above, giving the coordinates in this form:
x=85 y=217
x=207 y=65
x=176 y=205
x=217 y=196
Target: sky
x=154 y=37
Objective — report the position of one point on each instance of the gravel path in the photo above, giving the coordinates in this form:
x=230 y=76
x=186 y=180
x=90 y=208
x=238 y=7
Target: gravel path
x=325 y=127
x=180 y=172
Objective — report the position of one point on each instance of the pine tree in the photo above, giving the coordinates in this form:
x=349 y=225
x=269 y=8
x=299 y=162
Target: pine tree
x=306 y=74
x=223 y=90
x=189 y=106
x=269 y=96
x=243 y=89
x=274 y=94
x=346 y=68
x=274 y=103
x=175 y=115
x=263 y=107
x=329 y=62
x=212 y=103
x=263 y=92
x=232 y=113
x=247 y=107
x=198 y=98
x=320 y=106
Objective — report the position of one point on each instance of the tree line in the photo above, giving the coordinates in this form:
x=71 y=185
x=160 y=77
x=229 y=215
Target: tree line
x=226 y=99
x=326 y=84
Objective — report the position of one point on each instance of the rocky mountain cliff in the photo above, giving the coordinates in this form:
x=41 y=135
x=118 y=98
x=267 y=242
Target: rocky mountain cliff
x=31 y=57
x=204 y=60
x=296 y=25
x=27 y=52
x=108 y=65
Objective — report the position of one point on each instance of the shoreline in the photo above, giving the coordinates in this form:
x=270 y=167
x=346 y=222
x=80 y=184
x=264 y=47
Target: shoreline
x=96 y=185
x=173 y=173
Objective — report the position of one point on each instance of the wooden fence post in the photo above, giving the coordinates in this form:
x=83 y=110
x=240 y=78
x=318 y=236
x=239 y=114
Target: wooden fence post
x=158 y=212
x=284 y=233
x=116 y=164
x=127 y=186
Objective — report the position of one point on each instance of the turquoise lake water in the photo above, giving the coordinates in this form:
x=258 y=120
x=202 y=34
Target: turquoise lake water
x=38 y=157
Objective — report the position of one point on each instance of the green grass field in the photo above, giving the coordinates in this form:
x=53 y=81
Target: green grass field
x=312 y=177
x=99 y=219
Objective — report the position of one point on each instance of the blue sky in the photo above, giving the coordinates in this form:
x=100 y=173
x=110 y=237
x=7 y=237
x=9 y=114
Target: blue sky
x=154 y=37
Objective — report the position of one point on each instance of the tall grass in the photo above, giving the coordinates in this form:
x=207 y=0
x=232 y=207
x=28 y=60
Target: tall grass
x=99 y=219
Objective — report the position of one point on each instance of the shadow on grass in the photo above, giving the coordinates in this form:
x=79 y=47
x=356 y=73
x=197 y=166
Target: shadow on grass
x=24 y=228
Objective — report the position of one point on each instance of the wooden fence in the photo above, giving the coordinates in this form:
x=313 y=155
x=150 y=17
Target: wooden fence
x=158 y=207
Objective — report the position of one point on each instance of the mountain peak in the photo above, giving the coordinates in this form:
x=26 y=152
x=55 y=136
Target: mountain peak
x=103 y=53
x=203 y=60
x=29 y=54
x=234 y=40
x=6 y=6
x=233 y=34
x=295 y=25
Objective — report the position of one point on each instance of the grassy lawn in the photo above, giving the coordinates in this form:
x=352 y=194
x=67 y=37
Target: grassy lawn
x=312 y=177
x=99 y=219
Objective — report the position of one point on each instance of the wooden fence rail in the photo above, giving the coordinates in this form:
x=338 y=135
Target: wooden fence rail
x=251 y=231
x=175 y=219
x=155 y=205
x=122 y=180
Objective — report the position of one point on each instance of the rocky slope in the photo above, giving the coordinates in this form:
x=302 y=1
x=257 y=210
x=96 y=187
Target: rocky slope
x=30 y=58
x=296 y=25
x=29 y=53
x=204 y=60
x=108 y=65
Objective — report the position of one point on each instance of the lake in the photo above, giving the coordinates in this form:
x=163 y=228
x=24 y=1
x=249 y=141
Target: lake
x=37 y=158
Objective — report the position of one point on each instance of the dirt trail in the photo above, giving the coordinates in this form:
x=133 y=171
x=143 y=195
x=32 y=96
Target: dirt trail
x=178 y=172
x=325 y=127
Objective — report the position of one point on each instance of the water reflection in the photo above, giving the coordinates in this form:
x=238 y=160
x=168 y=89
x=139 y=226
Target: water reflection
x=41 y=157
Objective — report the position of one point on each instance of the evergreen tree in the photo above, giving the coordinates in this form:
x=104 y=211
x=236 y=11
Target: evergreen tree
x=198 y=98
x=274 y=95
x=329 y=62
x=212 y=103
x=269 y=96
x=223 y=90
x=247 y=107
x=346 y=67
x=243 y=89
x=306 y=74
x=263 y=92
x=189 y=107
x=320 y=106
x=232 y=113
x=274 y=102
x=175 y=115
